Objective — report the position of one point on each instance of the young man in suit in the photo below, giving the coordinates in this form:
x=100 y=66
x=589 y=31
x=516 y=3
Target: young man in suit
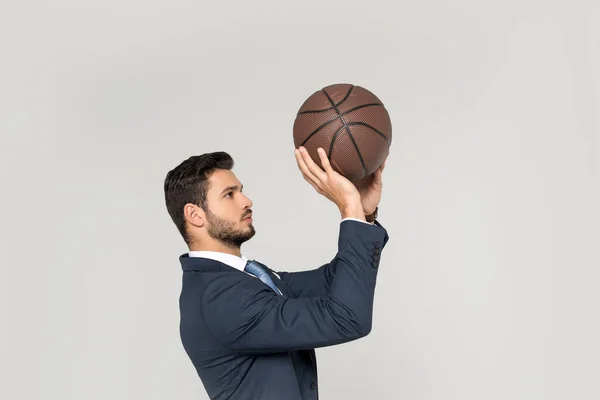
x=251 y=332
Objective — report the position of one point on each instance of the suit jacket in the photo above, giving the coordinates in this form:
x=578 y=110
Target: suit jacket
x=249 y=343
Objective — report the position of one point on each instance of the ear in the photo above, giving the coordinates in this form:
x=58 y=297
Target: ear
x=194 y=215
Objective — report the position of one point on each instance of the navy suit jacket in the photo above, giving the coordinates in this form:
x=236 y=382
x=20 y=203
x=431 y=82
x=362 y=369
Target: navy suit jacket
x=249 y=343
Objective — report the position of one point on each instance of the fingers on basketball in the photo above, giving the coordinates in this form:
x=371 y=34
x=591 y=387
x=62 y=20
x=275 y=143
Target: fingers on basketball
x=313 y=167
x=325 y=161
x=310 y=171
x=306 y=174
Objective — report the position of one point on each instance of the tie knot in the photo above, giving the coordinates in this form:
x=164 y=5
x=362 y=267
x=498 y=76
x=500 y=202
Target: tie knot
x=254 y=268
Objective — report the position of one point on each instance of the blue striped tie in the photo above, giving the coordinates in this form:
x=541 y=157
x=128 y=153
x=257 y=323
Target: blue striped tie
x=253 y=268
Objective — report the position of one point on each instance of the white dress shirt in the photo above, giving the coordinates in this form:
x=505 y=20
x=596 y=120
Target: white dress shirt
x=235 y=261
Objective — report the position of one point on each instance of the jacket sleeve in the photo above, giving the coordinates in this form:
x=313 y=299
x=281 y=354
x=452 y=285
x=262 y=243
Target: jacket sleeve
x=310 y=283
x=315 y=282
x=245 y=316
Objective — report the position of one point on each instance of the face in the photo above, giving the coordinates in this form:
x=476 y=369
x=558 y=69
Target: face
x=229 y=217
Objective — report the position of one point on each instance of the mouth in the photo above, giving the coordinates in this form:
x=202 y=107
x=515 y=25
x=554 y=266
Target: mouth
x=248 y=218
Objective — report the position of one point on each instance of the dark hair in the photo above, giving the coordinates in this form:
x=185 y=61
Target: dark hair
x=188 y=183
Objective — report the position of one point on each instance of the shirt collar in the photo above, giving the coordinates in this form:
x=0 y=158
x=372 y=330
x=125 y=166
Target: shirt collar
x=229 y=259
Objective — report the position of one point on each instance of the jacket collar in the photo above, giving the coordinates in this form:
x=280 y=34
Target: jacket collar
x=203 y=264
x=209 y=265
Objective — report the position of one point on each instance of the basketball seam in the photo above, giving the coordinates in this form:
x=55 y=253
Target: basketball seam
x=373 y=129
x=362 y=161
x=333 y=138
x=330 y=108
x=338 y=117
x=360 y=157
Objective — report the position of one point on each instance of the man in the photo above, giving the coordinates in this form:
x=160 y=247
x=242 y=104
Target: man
x=251 y=332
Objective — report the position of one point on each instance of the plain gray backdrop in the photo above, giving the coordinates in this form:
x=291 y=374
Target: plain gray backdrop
x=488 y=288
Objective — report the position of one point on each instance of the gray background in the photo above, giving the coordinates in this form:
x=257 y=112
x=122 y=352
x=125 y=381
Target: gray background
x=488 y=287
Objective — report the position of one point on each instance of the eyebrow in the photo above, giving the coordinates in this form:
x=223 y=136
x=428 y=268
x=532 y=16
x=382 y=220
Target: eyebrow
x=231 y=188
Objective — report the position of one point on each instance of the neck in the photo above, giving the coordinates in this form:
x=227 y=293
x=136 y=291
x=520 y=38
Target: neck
x=216 y=247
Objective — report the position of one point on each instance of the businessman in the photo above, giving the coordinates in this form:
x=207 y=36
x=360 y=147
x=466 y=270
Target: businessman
x=249 y=330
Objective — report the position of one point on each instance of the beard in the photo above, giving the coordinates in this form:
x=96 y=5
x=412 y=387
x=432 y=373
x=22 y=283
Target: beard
x=225 y=231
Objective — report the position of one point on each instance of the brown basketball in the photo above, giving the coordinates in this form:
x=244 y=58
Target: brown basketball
x=350 y=123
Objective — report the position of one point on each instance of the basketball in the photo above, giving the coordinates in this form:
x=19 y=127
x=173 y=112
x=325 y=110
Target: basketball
x=350 y=123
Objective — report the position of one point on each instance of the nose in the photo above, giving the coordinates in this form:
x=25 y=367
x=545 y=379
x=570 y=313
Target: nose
x=247 y=202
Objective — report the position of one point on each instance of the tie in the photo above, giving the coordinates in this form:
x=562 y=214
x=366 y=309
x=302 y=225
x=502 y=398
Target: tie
x=252 y=267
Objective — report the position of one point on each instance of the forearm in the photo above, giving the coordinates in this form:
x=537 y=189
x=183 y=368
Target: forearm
x=353 y=284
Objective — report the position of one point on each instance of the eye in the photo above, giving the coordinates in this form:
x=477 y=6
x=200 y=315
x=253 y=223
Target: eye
x=229 y=194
